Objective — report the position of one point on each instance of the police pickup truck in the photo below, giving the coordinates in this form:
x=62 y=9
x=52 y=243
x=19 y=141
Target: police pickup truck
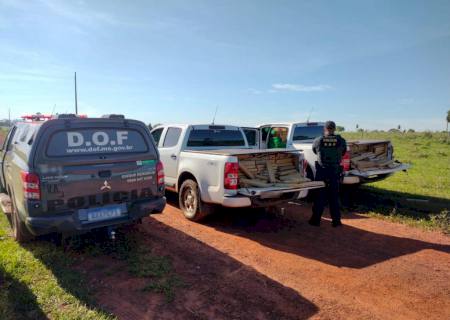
x=202 y=164
x=68 y=174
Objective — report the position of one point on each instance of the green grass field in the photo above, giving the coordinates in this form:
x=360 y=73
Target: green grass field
x=37 y=281
x=40 y=280
x=422 y=195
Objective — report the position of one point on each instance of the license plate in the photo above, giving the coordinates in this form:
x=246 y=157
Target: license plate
x=102 y=213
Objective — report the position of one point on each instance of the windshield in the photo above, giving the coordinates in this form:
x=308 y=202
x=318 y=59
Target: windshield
x=307 y=132
x=215 y=138
x=95 y=141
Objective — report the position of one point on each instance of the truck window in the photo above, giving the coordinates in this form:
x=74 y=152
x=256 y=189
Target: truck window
x=215 y=138
x=24 y=130
x=172 y=137
x=307 y=133
x=251 y=136
x=157 y=135
x=265 y=133
x=81 y=142
x=10 y=138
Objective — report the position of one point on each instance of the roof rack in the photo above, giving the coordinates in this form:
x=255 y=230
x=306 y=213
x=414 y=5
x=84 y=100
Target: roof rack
x=66 y=116
x=113 y=116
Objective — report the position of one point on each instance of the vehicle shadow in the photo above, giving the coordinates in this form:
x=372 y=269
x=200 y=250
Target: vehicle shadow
x=342 y=247
x=369 y=198
x=16 y=300
x=215 y=286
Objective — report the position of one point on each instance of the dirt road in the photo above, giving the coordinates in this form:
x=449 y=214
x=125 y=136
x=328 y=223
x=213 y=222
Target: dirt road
x=247 y=265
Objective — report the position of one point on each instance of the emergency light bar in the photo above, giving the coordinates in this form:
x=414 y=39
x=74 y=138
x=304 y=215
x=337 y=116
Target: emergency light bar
x=43 y=117
x=36 y=117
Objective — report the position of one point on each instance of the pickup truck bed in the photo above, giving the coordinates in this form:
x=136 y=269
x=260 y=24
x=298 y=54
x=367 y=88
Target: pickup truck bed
x=372 y=159
x=366 y=160
x=263 y=191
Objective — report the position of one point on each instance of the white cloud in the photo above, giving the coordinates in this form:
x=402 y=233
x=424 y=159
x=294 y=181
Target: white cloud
x=79 y=13
x=299 y=87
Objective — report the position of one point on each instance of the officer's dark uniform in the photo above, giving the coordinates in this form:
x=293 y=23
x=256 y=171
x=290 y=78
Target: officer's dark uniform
x=330 y=149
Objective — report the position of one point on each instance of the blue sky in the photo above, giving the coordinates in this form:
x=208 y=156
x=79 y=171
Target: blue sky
x=378 y=64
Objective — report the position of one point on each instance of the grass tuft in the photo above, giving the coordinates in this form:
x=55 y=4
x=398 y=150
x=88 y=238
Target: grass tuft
x=166 y=286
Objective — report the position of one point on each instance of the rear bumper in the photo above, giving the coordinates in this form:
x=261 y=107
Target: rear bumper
x=236 y=202
x=70 y=223
x=267 y=197
x=261 y=202
x=356 y=176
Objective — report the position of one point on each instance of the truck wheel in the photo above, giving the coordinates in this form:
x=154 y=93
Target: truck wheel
x=20 y=231
x=190 y=202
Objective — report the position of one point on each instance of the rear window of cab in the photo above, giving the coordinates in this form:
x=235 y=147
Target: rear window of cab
x=215 y=138
x=85 y=142
x=307 y=132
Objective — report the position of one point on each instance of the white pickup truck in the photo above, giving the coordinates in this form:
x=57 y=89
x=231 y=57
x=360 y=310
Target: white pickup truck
x=365 y=160
x=202 y=163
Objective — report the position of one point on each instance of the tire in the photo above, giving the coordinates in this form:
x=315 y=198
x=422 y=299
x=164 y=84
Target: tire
x=193 y=207
x=20 y=231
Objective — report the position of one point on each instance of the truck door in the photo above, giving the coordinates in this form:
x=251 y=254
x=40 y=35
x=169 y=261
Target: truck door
x=252 y=136
x=5 y=147
x=263 y=135
x=169 y=149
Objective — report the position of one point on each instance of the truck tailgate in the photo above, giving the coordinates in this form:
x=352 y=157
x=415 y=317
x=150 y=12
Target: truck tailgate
x=271 y=174
x=276 y=192
x=376 y=172
x=373 y=157
x=82 y=186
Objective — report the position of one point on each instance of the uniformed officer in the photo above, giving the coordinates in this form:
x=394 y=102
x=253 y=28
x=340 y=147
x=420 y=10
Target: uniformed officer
x=330 y=148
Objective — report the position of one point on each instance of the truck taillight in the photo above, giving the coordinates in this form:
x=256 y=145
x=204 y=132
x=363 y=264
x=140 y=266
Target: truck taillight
x=160 y=173
x=345 y=162
x=31 y=187
x=231 y=176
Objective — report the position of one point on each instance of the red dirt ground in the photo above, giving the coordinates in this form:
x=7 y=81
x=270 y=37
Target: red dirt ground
x=242 y=264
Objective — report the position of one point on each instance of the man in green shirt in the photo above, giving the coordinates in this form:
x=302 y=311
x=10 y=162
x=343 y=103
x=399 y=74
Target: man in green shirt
x=276 y=141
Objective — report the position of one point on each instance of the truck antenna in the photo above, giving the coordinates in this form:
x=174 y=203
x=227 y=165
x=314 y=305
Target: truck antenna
x=309 y=115
x=215 y=113
x=76 y=98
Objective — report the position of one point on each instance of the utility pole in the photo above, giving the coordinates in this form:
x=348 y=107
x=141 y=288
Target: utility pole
x=9 y=117
x=76 y=102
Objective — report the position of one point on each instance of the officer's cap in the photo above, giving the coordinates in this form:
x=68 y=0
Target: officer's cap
x=330 y=125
